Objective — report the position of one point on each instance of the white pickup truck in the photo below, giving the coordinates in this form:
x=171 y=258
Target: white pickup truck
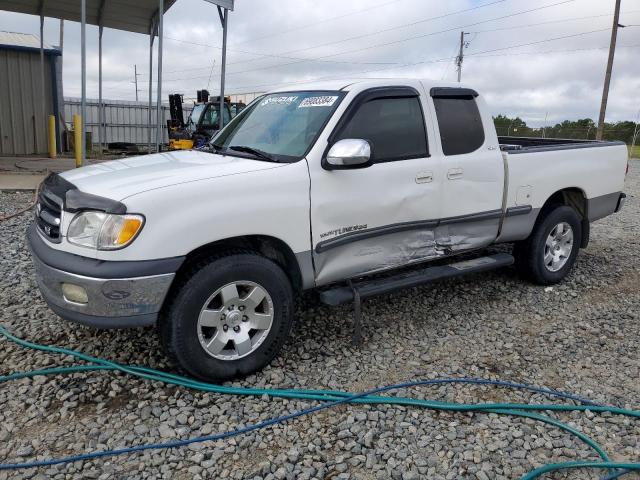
x=317 y=186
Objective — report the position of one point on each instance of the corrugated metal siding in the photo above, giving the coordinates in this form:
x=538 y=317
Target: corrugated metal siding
x=125 y=121
x=23 y=125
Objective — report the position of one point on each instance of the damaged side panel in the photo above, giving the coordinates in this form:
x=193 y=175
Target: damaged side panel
x=382 y=252
x=458 y=237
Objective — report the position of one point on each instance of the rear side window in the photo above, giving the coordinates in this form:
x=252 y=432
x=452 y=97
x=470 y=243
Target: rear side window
x=393 y=126
x=460 y=125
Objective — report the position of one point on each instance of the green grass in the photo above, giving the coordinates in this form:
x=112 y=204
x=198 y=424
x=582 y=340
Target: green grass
x=635 y=153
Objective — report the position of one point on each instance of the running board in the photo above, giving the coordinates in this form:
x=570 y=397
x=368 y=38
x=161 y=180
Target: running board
x=370 y=288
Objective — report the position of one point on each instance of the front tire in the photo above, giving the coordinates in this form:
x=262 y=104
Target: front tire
x=550 y=252
x=228 y=317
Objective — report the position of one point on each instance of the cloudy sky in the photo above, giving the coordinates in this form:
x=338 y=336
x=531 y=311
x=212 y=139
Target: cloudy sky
x=530 y=58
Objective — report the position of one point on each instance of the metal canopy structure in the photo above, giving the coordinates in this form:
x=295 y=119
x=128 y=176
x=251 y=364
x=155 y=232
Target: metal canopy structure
x=130 y=16
x=140 y=16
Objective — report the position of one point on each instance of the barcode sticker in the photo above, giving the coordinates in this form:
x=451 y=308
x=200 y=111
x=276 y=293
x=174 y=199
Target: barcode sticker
x=324 y=101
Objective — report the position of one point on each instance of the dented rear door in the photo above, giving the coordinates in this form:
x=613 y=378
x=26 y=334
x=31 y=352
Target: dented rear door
x=473 y=181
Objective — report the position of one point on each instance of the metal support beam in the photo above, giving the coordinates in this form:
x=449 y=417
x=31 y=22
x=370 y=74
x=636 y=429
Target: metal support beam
x=42 y=89
x=224 y=17
x=159 y=84
x=83 y=54
x=101 y=132
x=151 y=37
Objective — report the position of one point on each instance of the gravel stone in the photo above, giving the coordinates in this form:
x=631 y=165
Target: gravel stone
x=581 y=335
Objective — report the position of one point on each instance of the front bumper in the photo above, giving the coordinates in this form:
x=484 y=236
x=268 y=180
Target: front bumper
x=119 y=294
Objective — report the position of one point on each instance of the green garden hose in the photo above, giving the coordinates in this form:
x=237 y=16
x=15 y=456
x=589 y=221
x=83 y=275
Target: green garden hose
x=329 y=398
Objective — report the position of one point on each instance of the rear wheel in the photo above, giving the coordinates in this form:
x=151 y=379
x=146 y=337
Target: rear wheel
x=229 y=317
x=548 y=255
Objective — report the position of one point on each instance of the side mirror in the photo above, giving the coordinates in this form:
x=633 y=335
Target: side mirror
x=348 y=153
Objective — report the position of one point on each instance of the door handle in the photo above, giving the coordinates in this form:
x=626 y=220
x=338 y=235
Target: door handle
x=455 y=173
x=424 y=177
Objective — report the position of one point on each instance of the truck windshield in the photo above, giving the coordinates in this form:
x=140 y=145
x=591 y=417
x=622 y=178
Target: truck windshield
x=282 y=125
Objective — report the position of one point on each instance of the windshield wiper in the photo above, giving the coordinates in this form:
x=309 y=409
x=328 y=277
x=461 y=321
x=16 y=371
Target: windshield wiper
x=254 y=151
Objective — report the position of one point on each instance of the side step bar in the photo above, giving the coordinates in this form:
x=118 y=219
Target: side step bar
x=370 y=288
x=356 y=291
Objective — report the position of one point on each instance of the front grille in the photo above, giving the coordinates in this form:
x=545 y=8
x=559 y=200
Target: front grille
x=49 y=215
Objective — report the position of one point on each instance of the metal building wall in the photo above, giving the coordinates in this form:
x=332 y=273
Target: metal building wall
x=23 y=126
x=125 y=121
x=245 y=97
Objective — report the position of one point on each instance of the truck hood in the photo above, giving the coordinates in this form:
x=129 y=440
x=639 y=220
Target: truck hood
x=119 y=179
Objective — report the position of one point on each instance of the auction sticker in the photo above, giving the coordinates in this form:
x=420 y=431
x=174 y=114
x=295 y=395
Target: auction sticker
x=324 y=101
x=284 y=100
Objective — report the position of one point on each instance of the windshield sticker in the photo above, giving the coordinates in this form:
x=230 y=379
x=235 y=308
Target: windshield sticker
x=288 y=100
x=324 y=101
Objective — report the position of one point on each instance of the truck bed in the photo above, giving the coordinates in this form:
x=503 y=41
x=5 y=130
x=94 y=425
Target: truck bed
x=539 y=144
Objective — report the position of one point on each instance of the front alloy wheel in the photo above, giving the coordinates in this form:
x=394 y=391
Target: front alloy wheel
x=228 y=316
x=235 y=320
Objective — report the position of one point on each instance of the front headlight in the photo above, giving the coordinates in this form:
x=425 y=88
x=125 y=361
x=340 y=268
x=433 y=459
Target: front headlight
x=104 y=231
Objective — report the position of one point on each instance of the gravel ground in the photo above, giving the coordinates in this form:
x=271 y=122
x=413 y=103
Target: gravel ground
x=581 y=336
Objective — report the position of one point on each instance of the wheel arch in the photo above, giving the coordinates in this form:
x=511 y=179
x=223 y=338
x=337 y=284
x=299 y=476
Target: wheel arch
x=267 y=246
x=576 y=198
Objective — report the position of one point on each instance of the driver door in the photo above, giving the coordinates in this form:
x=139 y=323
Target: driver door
x=381 y=215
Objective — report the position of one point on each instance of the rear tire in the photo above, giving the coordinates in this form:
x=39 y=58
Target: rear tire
x=550 y=252
x=228 y=317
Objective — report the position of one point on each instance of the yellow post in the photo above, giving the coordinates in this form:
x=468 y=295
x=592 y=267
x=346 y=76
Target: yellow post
x=77 y=139
x=52 y=136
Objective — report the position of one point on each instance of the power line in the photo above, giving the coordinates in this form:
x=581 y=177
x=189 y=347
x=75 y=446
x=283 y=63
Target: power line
x=301 y=60
x=452 y=56
x=395 y=42
x=411 y=64
x=545 y=52
x=391 y=63
x=262 y=55
x=385 y=30
x=318 y=22
x=322 y=59
x=515 y=27
x=415 y=37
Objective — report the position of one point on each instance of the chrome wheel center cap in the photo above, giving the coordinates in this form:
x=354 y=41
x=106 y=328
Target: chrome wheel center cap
x=234 y=318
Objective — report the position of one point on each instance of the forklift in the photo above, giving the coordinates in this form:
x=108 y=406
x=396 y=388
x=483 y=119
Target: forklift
x=203 y=122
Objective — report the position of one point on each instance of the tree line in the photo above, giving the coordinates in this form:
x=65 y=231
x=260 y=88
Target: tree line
x=584 y=128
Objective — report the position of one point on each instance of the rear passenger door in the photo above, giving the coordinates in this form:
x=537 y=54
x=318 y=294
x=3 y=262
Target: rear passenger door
x=375 y=217
x=473 y=176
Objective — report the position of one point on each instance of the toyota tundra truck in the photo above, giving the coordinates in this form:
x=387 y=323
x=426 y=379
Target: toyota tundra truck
x=353 y=188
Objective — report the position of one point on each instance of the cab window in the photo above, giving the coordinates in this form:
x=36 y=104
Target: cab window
x=394 y=127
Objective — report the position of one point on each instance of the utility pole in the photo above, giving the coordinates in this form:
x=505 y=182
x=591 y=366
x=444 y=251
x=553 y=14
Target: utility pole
x=460 y=56
x=607 y=76
x=635 y=133
x=135 y=79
